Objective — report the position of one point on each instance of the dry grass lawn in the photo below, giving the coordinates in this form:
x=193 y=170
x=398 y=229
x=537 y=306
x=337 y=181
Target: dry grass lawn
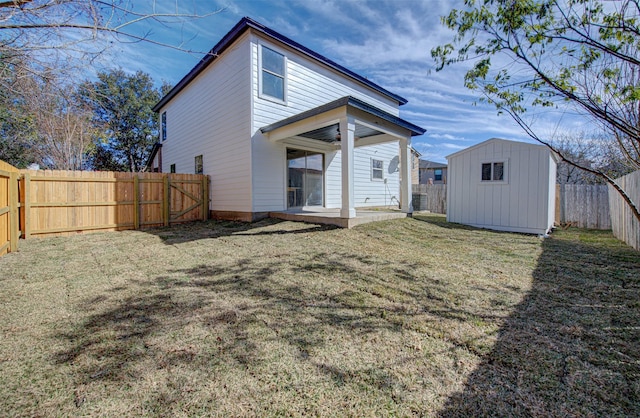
x=409 y=317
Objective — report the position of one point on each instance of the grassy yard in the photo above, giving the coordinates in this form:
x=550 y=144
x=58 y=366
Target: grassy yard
x=410 y=317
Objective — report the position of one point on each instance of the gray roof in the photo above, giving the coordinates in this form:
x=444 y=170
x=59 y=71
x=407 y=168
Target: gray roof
x=431 y=164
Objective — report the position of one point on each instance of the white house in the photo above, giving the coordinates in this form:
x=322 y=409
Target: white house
x=277 y=126
x=503 y=185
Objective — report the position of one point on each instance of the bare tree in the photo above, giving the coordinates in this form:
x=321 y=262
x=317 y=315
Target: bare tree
x=47 y=31
x=44 y=44
x=597 y=151
x=62 y=123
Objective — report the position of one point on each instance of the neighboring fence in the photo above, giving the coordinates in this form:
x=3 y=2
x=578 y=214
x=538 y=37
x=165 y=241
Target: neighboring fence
x=8 y=208
x=624 y=225
x=66 y=202
x=583 y=206
x=431 y=197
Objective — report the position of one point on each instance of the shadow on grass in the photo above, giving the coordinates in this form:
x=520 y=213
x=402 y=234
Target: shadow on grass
x=572 y=346
x=246 y=305
x=193 y=231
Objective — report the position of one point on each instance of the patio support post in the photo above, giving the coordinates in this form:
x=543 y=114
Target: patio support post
x=347 y=141
x=406 y=204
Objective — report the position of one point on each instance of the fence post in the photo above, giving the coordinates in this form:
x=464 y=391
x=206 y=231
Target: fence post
x=165 y=200
x=205 y=197
x=26 y=205
x=136 y=202
x=14 y=215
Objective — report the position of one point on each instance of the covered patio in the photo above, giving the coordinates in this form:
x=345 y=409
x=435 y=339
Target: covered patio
x=343 y=125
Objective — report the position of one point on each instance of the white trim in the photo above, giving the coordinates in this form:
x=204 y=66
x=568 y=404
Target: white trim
x=285 y=83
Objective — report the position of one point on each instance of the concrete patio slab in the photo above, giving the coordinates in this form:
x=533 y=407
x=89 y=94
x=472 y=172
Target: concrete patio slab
x=325 y=216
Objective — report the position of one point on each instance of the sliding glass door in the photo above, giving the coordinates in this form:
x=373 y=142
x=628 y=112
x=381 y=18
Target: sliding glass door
x=305 y=175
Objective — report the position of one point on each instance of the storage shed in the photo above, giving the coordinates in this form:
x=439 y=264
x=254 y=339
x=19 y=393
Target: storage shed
x=503 y=185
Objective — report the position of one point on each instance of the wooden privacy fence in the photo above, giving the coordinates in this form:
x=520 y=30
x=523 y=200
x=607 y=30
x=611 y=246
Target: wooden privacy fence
x=66 y=202
x=9 y=226
x=624 y=225
x=583 y=205
x=431 y=197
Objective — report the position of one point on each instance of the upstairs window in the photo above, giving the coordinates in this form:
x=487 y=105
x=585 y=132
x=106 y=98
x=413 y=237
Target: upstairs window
x=493 y=171
x=164 y=126
x=377 y=169
x=272 y=73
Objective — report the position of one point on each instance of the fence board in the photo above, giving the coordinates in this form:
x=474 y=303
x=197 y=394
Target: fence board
x=431 y=197
x=9 y=216
x=624 y=225
x=584 y=205
x=5 y=214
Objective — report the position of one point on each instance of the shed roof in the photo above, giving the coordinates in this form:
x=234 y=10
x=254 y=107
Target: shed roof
x=240 y=28
x=488 y=141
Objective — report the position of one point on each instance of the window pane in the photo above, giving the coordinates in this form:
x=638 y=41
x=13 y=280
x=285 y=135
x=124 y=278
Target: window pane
x=198 y=161
x=272 y=85
x=486 y=171
x=272 y=61
x=376 y=169
x=172 y=168
x=164 y=126
x=498 y=171
x=437 y=174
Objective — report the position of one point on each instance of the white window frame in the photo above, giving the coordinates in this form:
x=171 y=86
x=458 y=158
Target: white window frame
x=505 y=172
x=381 y=169
x=260 y=71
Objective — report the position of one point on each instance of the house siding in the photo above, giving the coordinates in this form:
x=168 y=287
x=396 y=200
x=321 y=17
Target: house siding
x=524 y=203
x=211 y=117
x=309 y=85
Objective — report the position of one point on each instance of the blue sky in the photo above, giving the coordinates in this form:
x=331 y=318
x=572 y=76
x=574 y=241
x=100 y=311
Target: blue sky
x=387 y=41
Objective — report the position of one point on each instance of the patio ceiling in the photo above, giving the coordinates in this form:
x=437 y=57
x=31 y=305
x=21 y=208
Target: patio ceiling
x=330 y=133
